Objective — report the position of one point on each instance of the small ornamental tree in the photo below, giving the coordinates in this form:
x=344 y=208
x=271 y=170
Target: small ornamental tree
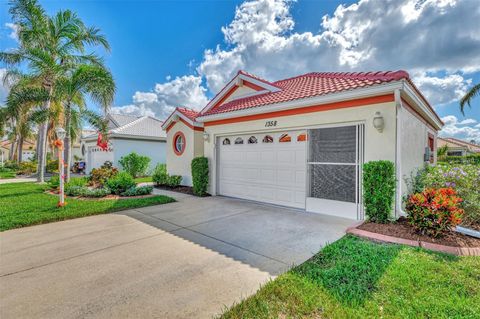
x=136 y=165
x=433 y=212
x=378 y=190
x=200 y=175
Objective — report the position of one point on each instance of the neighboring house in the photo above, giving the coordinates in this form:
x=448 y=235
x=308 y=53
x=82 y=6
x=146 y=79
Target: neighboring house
x=456 y=147
x=143 y=135
x=301 y=142
x=28 y=150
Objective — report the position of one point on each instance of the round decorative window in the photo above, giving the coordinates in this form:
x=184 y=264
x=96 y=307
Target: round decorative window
x=179 y=143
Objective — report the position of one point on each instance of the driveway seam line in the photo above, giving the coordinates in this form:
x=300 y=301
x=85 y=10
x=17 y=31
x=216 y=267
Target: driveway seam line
x=81 y=255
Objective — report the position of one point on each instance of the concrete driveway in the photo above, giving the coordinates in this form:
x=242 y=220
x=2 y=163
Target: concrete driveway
x=181 y=260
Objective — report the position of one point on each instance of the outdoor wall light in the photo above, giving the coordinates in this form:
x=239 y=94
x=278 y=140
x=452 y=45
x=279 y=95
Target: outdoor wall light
x=378 y=122
x=206 y=136
x=60 y=132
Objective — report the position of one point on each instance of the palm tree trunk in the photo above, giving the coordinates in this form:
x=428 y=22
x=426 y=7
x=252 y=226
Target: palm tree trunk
x=13 y=148
x=20 y=149
x=42 y=143
x=67 y=143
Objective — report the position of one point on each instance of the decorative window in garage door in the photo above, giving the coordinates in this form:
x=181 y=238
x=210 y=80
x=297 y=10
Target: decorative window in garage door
x=239 y=140
x=302 y=137
x=252 y=140
x=226 y=141
x=267 y=139
x=285 y=138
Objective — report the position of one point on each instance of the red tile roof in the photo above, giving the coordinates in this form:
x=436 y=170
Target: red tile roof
x=309 y=85
x=189 y=113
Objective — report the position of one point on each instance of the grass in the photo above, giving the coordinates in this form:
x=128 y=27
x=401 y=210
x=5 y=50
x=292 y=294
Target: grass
x=6 y=175
x=355 y=278
x=146 y=179
x=25 y=204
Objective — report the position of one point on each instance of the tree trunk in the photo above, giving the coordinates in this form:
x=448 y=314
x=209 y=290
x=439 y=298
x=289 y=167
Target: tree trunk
x=13 y=148
x=67 y=144
x=20 y=149
x=42 y=140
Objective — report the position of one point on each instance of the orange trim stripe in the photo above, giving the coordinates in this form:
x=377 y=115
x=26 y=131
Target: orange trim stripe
x=195 y=128
x=306 y=109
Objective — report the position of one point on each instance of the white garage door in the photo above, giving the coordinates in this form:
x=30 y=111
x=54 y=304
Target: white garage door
x=96 y=157
x=267 y=167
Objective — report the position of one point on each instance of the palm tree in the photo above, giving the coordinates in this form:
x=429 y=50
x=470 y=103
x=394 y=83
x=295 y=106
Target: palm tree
x=50 y=47
x=92 y=80
x=468 y=97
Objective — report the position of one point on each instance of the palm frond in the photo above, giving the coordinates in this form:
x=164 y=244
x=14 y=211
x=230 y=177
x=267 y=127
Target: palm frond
x=469 y=96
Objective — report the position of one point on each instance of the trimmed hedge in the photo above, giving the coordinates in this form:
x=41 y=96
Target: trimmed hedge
x=200 y=175
x=468 y=159
x=136 y=165
x=378 y=190
x=120 y=183
x=138 y=191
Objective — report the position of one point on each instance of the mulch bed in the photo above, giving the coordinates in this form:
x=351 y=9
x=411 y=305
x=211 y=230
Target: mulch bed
x=111 y=196
x=180 y=189
x=402 y=229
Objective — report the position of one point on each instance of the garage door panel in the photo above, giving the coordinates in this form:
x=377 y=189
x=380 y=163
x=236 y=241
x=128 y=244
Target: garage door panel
x=266 y=172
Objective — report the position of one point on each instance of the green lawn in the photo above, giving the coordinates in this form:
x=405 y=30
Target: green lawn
x=6 y=175
x=24 y=204
x=146 y=179
x=355 y=278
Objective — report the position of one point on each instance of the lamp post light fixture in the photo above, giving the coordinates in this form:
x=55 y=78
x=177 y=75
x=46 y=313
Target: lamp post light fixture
x=378 y=122
x=206 y=136
x=60 y=131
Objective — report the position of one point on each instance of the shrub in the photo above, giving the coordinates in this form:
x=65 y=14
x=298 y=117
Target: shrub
x=135 y=164
x=52 y=166
x=99 y=176
x=174 y=181
x=120 y=182
x=74 y=182
x=27 y=168
x=468 y=159
x=465 y=180
x=138 y=191
x=11 y=165
x=200 y=175
x=4 y=169
x=54 y=182
x=74 y=190
x=160 y=176
x=84 y=191
x=378 y=190
x=434 y=211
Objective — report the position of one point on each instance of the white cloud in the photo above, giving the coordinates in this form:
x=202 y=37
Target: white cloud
x=440 y=90
x=181 y=91
x=13 y=30
x=454 y=128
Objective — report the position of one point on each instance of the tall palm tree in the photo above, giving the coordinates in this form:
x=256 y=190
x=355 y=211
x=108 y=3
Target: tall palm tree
x=50 y=47
x=86 y=80
x=468 y=97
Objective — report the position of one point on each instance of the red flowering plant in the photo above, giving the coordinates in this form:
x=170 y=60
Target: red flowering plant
x=433 y=212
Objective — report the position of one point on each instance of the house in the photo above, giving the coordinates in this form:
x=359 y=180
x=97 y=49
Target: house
x=456 y=147
x=143 y=135
x=301 y=142
x=28 y=150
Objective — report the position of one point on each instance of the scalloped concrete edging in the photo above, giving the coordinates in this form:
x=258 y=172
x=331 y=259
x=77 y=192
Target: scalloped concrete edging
x=459 y=251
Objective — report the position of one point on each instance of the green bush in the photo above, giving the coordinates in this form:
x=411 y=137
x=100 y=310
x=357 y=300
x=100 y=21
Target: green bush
x=27 y=168
x=120 y=182
x=200 y=175
x=160 y=176
x=4 y=169
x=465 y=179
x=136 y=165
x=99 y=176
x=468 y=159
x=174 y=181
x=138 y=191
x=84 y=191
x=11 y=165
x=52 y=166
x=378 y=190
x=54 y=182
x=74 y=190
x=75 y=181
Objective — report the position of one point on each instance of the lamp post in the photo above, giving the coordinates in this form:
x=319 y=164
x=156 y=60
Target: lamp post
x=59 y=142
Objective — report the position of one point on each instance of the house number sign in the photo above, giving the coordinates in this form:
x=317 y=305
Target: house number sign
x=270 y=123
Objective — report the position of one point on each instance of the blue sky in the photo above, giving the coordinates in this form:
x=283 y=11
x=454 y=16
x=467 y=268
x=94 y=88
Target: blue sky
x=165 y=53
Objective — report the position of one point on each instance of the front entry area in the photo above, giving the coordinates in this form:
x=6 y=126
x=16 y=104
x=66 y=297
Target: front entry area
x=316 y=169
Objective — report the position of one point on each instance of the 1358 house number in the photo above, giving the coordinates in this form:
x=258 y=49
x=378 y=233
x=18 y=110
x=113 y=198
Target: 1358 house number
x=270 y=123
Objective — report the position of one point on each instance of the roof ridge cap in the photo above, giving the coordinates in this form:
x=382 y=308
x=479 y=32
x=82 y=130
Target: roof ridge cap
x=120 y=128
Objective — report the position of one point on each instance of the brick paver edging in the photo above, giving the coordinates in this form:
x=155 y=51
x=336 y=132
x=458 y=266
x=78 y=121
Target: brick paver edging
x=459 y=251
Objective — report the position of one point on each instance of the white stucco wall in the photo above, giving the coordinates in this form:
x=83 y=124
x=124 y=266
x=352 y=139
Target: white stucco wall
x=155 y=150
x=181 y=164
x=238 y=93
x=377 y=145
x=413 y=141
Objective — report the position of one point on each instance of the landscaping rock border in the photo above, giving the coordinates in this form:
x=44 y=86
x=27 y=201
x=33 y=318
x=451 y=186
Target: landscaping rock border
x=458 y=251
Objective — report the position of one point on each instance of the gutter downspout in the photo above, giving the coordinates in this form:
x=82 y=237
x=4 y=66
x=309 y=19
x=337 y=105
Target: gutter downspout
x=398 y=154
